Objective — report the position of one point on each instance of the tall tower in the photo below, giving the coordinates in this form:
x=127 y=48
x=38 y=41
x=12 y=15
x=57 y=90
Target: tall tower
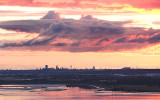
x=93 y=68
x=57 y=67
x=46 y=67
x=71 y=66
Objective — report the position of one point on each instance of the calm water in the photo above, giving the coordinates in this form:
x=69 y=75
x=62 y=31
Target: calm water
x=61 y=92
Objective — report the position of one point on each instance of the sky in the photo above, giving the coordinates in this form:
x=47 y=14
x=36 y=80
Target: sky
x=82 y=33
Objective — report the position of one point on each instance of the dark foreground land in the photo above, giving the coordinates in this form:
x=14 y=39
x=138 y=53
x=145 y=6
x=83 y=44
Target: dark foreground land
x=132 y=80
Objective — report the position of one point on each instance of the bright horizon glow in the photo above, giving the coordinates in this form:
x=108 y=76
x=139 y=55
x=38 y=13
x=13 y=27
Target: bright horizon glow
x=83 y=60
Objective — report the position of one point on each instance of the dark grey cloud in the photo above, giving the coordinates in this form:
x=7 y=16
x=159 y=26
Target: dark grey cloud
x=76 y=44
x=82 y=29
x=60 y=44
x=84 y=35
x=120 y=40
x=102 y=40
x=151 y=39
x=30 y=26
x=51 y=15
x=88 y=17
x=138 y=40
x=154 y=39
x=32 y=42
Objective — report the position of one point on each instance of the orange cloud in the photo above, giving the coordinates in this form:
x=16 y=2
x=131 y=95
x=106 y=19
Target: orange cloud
x=146 y=4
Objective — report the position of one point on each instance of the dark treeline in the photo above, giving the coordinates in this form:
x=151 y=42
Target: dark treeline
x=81 y=71
x=105 y=76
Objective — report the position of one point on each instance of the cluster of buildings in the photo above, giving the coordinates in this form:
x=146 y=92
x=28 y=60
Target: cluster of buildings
x=57 y=68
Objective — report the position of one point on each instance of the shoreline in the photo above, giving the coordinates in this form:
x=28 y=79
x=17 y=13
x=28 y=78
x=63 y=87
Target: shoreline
x=98 y=87
x=124 y=88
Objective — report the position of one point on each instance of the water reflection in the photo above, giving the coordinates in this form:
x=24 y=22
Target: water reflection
x=61 y=92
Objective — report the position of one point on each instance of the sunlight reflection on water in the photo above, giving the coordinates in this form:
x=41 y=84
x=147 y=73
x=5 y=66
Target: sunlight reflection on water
x=61 y=92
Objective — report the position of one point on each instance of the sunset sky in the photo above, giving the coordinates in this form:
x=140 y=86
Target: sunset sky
x=81 y=33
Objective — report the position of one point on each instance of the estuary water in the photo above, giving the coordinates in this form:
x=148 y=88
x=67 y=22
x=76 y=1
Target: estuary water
x=61 y=92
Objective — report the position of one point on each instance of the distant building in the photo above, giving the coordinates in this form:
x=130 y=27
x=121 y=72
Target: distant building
x=126 y=68
x=46 y=67
x=71 y=66
x=57 y=67
x=93 y=68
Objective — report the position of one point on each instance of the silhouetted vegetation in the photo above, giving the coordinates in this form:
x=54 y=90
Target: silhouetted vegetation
x=115 y=80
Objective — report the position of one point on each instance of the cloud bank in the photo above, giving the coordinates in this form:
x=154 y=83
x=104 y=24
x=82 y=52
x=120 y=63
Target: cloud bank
x=84 y=35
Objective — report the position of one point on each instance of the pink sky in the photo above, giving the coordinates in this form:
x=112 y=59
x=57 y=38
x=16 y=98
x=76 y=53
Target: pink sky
x=82 y=33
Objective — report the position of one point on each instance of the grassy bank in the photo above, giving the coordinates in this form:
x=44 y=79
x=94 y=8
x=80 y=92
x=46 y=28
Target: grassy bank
x=127 y=88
